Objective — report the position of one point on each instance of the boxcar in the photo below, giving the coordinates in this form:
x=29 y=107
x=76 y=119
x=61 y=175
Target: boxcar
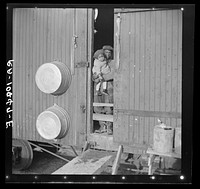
x=147 y=81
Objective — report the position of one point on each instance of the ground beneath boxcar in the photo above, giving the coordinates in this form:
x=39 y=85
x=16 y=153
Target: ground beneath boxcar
x=45 y=163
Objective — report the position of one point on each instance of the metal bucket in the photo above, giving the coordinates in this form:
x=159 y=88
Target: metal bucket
x=163 y=139
x=53 y=78
x=53 y=123
x=177 y=140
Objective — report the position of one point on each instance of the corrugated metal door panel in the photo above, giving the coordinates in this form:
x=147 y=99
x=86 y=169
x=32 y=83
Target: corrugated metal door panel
x=149 y=74
x=39 y=36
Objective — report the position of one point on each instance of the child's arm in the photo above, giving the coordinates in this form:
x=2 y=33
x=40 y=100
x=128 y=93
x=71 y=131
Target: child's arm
x=110 y=75
x=96 y=68
x=96 y=77
x=100 y=76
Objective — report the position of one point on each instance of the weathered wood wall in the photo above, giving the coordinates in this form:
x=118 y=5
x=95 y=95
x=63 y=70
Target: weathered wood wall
x=148 y=83
x=39 y=36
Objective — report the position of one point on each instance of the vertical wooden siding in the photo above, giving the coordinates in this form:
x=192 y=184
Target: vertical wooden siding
x=40 y=36
x=149 y=76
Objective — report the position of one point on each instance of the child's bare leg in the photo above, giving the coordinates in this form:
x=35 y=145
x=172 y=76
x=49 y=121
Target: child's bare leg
x=104 y=85
x=98 y=87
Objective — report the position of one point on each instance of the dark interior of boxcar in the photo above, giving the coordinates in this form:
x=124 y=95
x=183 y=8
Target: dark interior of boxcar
x=103 y=34
x=104 y=25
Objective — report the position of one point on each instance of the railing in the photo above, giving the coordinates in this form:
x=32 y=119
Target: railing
x=102 y=117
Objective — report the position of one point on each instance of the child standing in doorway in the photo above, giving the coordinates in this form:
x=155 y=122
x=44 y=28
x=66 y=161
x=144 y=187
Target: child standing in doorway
x=100 y=68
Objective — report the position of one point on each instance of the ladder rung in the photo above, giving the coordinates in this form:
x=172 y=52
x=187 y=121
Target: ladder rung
x=102 y=104
x=103 y=117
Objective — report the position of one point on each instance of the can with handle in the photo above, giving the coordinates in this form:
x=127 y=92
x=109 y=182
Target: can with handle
x=163 y=138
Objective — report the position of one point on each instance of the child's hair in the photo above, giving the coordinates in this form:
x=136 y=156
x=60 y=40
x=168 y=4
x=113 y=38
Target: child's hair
x=98 y=52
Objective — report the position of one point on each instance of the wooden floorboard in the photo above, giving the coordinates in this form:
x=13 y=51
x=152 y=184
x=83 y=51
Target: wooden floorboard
x=90 y=162
x=103 y=117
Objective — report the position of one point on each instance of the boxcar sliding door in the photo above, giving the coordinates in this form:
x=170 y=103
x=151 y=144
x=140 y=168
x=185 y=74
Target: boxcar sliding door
x=147 y=83
x=43 y=35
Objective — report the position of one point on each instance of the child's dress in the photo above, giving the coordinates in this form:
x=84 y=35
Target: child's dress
x=101 y=68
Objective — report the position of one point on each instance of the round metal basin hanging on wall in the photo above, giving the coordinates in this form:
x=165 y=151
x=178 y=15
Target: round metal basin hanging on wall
x=53 y=123
x=53 y=78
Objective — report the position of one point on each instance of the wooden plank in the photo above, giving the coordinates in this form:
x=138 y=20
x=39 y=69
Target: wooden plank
x=90 y=47
x=117 y=160
x=131 y=129
x=43 y=48
x=15 y=71
x=158 y=64
x=44 y=35
x=81 y=85
x=75 y=57
x=163 y=59
x=142 y=75
x=172 y=154
x=142 y=113
x=106 y=142
x=131 y=10
x=163 y=65
x=90 y=162
x=136 y=60
x=102 y=104
x=174 y=86
x=56 y=33
x=103 y=117
x=131 y=76
x=157 y=91
x=152 y=69
x=147 y=76
x=136 y=10
x=27 y=73
x=36 y=63
x=124 y=132
x=150 y=163
x=168 y=78
x=124 y=62
x=141 y=63
x=179 y=57
x=121 y=95
x=21 y=46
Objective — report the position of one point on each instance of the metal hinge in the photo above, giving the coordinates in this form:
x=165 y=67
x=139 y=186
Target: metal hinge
x=81 y=64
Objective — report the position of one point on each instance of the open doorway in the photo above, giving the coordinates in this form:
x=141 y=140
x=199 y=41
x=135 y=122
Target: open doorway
x=103 y=35
x=104 y=27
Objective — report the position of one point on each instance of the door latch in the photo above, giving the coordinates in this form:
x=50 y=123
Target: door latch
x=75 y=41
